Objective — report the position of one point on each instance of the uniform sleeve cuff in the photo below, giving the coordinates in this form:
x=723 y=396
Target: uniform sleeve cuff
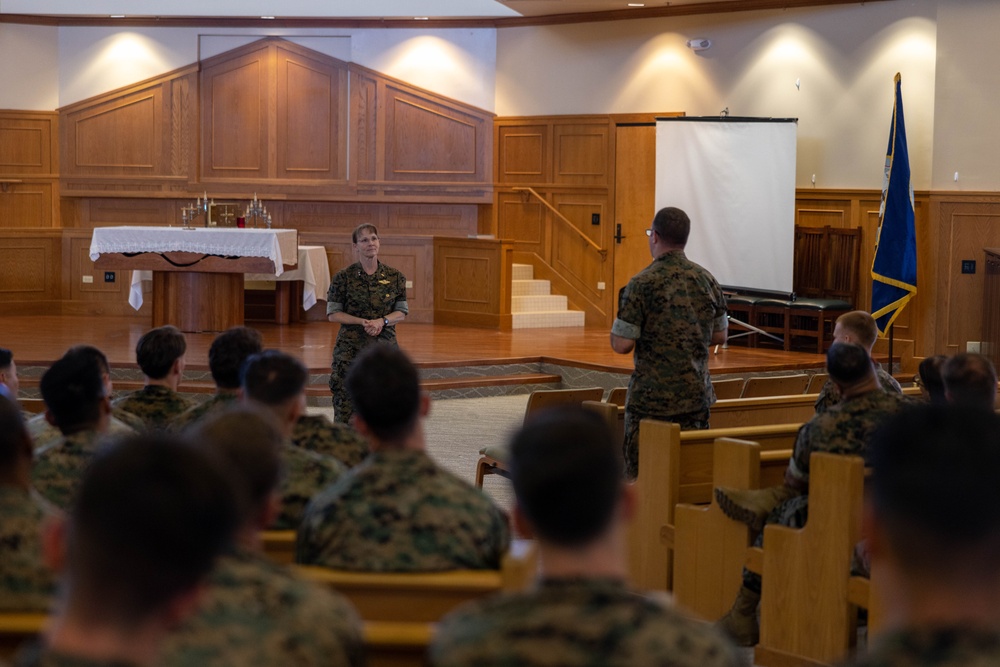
x=334 y=307
x=625 y=330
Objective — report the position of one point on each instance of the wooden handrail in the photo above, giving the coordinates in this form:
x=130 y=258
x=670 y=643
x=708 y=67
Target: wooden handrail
x=566 y=221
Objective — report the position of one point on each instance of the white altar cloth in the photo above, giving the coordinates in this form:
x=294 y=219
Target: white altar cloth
x=278 y=245
x=313 y=270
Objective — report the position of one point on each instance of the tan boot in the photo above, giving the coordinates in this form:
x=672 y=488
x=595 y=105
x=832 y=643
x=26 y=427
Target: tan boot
x=751 y=506
x=740 y=624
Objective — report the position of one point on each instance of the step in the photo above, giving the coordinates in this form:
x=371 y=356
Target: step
x=538 y=303
x=522 y=272
x=490 y=381
x=529 y=287
x=546 y=320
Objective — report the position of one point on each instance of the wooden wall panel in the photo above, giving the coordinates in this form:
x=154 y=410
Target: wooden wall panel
x=522 y=222
x=365 y=156
x=472 y=286
x=524 y=154
x=236 y=99
x=108 y=212
x=578 y=262
x=30 y=271
x=581 y=154
x=426 y=140
x=311 y=117
x=27 y=203
x=28 y=143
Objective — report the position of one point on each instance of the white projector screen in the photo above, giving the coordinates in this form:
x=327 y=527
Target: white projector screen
x=735 y=178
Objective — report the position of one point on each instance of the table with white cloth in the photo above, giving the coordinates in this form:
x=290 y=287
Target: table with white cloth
x=197 y=272
x=312 y=271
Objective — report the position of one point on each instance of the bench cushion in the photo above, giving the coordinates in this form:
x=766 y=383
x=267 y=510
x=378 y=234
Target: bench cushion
x=821 y=304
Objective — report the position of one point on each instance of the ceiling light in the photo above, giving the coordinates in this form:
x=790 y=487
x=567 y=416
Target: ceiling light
x=269 y=18
x=117 y=16
x=420 y=18
x=637 y=4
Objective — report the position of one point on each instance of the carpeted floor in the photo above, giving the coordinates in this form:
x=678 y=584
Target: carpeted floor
x=458 y=428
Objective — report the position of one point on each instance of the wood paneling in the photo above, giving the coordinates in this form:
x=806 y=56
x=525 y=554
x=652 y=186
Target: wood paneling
x=30 y=270
x=28 y=203
x=237 y=94
x=472 y=285
x=524 y=154
x=581 y=153
x=28 y=143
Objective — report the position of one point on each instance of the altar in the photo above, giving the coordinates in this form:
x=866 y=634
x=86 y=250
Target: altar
x=198 y=273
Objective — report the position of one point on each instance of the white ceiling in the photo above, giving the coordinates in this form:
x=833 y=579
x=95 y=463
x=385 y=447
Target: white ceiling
x=376 y=9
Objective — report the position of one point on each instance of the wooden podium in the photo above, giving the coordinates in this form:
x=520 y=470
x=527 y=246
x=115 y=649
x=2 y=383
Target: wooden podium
x=194 y=291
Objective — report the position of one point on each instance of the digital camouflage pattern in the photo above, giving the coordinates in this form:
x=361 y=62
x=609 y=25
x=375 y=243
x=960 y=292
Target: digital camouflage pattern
x=305 y=474
x=25 y=583
x=35 y=655
x=369 y=297
x=44 y=434
x=216 y=403
x=398 y=511
x=941 y=647
x=59 y=467
x=843 y=429
x=670 y=309
x=256 y=613
x=155 y=405
x=688 y=422
x=573 y=622
x=829 y=395
x=318 y=434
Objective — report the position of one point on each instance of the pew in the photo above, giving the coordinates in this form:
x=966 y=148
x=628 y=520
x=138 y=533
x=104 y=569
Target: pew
x=710 y=548
x=16 y=628
x=279 y=545
x=676 y=467
x=400 y=610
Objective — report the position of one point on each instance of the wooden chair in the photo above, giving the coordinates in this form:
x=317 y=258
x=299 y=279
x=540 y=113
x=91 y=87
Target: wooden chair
x=17 y=628
x=816 y=383
x=32 y=405
x=775 y=385
x=492 y=460
x=727 y=389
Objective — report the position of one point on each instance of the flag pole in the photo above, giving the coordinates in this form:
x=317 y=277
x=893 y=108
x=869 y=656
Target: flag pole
x=892 y=331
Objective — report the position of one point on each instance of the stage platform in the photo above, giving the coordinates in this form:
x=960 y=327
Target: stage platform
x=454 y=361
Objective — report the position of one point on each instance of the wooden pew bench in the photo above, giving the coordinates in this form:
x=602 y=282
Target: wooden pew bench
x=17 y=628
x=676 y=467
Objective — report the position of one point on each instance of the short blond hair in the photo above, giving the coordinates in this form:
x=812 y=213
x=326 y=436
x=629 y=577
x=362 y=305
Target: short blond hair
x=861 y=326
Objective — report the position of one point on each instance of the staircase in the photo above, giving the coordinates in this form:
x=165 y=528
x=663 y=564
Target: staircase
x=534 y=307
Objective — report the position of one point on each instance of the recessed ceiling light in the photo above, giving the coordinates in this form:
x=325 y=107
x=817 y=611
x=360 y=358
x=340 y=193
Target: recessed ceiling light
x=117 y=16
x=420 y=18
x=637 y=4
x=269 y=18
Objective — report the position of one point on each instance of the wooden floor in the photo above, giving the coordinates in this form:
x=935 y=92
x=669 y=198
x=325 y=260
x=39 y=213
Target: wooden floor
x=40 y=340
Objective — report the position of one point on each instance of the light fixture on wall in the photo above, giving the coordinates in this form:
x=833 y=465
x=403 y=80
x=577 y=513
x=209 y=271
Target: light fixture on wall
x=699 y=44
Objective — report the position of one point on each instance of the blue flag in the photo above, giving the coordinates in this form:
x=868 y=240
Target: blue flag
x=894 y=269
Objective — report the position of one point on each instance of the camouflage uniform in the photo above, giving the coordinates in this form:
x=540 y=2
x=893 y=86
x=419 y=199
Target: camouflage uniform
x=45 y=434
x=941 y=647
x=216 y=403
x=25 y=583
x=36 y=655
x=155 y=405
x=571 y=622
x=371 y=298
x=305 y=474
x=829 y=395
x=316 y=433
x=256 y=612
x=670 y=309
x=399 y=511
x=59 y=467
x=843 y=429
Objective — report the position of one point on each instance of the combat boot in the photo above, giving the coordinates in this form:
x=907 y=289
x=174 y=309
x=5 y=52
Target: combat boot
x=740 y=624
x=751 y=506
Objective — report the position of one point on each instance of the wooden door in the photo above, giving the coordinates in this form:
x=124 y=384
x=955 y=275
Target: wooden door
x=635 y=199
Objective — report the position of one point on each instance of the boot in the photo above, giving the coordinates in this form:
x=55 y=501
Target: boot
x=740 y=623
x=751 y=506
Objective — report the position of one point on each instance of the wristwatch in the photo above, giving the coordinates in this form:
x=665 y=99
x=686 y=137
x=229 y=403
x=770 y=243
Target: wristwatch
x=385 y=321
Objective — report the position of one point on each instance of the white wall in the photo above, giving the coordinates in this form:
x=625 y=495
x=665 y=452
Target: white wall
x=844 y=58
x=29 y=77
x=458 y=63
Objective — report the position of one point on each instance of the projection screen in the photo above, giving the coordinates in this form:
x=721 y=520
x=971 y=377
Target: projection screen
x=735 y=177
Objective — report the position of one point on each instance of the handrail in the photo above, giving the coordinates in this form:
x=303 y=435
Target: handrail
x=565 y=220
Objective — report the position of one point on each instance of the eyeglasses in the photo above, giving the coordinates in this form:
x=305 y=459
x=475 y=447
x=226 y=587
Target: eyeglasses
x=649 y=232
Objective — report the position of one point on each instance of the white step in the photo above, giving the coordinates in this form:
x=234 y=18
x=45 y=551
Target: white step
x=522 y=271
x=564 y=318
x=528 y=287
x=538 y=303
